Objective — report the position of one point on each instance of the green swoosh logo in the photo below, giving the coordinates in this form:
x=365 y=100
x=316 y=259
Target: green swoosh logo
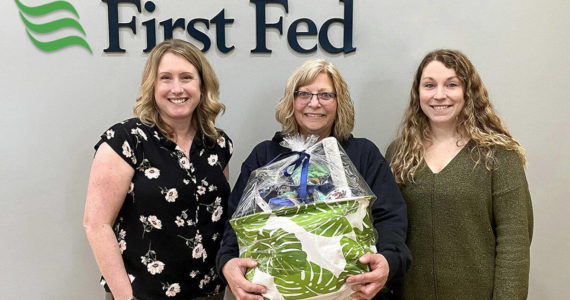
x=52 y=26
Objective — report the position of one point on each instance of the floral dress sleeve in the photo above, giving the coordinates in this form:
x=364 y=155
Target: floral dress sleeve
x=124 y=141
x=225 y=149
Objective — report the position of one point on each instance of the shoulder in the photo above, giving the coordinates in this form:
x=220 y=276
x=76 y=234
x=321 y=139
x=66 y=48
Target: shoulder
x=508 y=170
x=264 y=152
x=506 y=161
x=390 y=151
x=130 y=126
x=224 y=141
x=361 y=147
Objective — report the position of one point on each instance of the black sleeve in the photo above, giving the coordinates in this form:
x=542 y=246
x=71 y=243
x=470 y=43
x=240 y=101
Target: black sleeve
x=229 y=248
x=389 y=211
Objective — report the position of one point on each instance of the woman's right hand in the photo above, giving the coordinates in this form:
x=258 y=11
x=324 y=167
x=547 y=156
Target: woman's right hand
x=234 y=272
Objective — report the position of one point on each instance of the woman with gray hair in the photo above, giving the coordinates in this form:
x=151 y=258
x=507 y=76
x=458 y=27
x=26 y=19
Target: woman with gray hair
x=316 y=102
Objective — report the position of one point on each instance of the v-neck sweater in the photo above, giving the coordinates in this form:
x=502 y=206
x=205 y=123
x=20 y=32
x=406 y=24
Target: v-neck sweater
x=469 y=229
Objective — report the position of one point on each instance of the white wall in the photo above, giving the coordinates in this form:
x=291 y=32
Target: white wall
x=55 y=105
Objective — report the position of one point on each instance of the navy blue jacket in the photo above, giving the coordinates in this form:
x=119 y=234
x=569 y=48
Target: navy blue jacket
x=388 y=210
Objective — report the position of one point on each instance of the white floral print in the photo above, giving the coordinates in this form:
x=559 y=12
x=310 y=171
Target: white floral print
x=205 y=281
x=170 y=195
x=152 y=173
x=198 y=237
x=222 y=142
x=138 y=132
x=213 y=159
x=177 y=195
x=201 y=190
x=110 y=134
x=172 y=290
x=179 y=221
x=217 y=214
x=155 y=222
x=122 y=246
x=184 y=163
x=198 y=251
x=150 y=223
x=231 y=147
x=127 y=152
x=155 y=267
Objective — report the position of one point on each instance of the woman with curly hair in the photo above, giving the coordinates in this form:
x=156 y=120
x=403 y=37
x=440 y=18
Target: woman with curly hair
x=158 y=189
x=462 y=176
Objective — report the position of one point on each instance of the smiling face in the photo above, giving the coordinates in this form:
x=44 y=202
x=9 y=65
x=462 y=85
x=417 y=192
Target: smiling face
x=441 y=94
x=314 y=117
x=176 y=89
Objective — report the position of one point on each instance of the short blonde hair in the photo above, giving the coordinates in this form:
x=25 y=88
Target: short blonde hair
x=305 y=74
x=208 y=109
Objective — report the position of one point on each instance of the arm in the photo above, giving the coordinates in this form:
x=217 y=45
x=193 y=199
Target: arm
x=512 y=212
x=227 y=172
x=108 y=185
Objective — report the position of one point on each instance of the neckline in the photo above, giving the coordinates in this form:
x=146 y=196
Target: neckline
x=450 y=162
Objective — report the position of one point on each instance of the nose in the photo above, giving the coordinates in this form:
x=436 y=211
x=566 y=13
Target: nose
x=440 y=93
x=176 y=87
x=315 y=103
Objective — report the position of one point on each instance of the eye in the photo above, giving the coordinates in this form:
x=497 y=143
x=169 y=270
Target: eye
x=453 y=84
x=164 y=77
x=429 y=85
x=326 y=95
x=303 y=94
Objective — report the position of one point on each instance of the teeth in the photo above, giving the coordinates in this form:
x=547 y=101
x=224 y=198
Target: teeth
x=178 y=101
x=313 y=115
x=440 y=107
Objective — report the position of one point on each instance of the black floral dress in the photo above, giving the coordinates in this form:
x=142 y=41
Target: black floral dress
x=170 y=226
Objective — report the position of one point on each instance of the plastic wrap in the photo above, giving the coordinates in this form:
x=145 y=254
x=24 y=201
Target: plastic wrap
x=305 y=219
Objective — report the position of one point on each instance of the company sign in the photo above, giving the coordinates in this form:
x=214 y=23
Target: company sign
x=302 y=27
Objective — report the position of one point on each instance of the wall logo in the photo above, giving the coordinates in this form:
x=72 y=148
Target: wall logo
x=52 y=26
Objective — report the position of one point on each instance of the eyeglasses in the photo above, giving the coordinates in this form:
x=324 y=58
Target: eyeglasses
x=304 y=97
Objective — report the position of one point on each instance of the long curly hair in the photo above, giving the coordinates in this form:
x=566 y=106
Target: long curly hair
x=305 y=74
x=477 y=120
x=208 y=109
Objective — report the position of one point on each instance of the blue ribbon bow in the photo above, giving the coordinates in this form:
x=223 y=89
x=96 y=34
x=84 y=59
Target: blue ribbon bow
x=302 y=160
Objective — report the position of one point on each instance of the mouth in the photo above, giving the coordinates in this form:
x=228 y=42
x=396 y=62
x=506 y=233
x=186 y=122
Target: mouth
x=178 y=100
x=440 y=107
x=313 y=115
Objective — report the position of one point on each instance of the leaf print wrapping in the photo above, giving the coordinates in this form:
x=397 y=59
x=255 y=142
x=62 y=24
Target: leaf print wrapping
x=305 y=219
x=309 y=250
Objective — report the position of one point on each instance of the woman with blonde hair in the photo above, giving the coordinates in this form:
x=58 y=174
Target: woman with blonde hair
x=462 y=176
x=157 y=194
x=316 y=102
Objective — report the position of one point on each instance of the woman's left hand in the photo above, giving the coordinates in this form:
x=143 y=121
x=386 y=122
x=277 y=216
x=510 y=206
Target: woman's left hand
x=367 y=285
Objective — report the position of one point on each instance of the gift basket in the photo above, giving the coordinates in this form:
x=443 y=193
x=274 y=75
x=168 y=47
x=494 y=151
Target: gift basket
x=305 y=218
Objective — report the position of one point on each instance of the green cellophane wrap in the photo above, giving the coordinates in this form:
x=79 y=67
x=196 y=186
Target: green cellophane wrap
x=307 y=251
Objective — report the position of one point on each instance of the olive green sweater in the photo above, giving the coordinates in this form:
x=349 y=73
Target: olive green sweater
x=469 y=229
